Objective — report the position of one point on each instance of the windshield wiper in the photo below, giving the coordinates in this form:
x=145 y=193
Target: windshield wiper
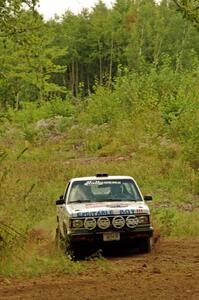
x=119 y=199
x=114 y=199
x=80 y=201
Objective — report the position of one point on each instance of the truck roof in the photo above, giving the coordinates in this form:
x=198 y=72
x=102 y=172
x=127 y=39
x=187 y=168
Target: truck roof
x=101 y=177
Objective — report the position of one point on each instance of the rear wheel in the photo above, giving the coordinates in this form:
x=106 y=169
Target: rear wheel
x=59 y=239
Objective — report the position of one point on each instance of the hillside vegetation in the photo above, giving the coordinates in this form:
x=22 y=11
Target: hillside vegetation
x=111 y=90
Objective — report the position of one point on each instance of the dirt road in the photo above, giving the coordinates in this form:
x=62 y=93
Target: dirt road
x=171 y=272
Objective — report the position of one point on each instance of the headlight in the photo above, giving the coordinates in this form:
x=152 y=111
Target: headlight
x=118 y=222
x=90 y=223
x=143 y=219
x=103 y=223
x=131 y=221
x=77 y=223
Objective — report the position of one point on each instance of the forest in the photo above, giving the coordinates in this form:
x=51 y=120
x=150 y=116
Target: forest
x=110 y=89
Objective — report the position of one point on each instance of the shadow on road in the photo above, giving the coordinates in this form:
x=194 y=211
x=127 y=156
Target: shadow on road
x=111 y=250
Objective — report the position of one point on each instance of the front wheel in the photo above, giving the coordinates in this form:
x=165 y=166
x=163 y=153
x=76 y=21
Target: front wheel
x=145 y=245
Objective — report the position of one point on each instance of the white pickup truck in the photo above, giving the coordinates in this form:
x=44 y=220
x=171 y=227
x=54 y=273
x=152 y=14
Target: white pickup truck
x=104 y=209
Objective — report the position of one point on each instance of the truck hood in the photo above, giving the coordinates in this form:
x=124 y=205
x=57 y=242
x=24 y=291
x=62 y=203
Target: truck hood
x=107 y=209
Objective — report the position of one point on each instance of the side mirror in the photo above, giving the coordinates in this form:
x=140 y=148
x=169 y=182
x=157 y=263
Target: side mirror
x=60 y=201
x=148 y=198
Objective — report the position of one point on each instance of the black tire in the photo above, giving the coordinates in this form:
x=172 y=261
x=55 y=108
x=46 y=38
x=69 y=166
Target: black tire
x=145 y=245
x=58 y=237
x=59 y=240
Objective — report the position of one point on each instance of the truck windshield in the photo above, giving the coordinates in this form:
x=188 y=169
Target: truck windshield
x=103 y=190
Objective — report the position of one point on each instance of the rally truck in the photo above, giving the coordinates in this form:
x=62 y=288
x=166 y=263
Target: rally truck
x=102 y=209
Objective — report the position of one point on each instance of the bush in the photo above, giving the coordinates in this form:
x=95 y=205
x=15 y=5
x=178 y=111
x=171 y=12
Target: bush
x=32 y=112
x=176 y=222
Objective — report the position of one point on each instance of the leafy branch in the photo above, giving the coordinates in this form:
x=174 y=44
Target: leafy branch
x=9 y=13
x=190 y=10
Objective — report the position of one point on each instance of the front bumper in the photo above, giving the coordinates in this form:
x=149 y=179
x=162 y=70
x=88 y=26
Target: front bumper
x=97 y=236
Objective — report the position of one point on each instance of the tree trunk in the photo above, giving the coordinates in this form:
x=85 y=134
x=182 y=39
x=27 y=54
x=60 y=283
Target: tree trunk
x=73 y=77
x=157 y=50
x=100 y=63
x=76 y=79
x=180 y=54
x=17 y=101
x=88 y=83
x=111 y=61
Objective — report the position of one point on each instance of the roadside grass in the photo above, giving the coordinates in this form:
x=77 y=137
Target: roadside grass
x=36 y=258
x=172 y=222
